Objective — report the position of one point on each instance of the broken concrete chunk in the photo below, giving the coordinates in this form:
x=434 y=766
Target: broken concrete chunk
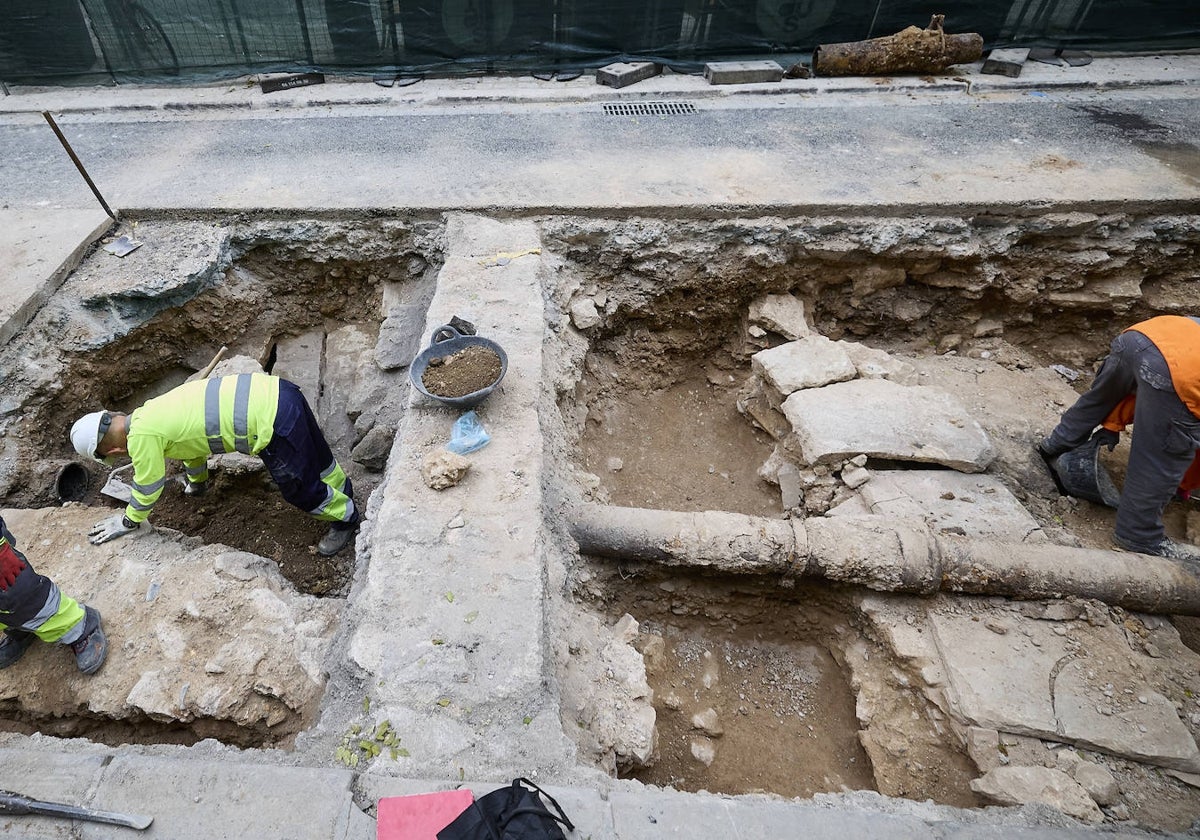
x=236 y=364
x=442 y=469
x=1023 y=785
x=782 y=314
x=808 y=362
x=884 y=420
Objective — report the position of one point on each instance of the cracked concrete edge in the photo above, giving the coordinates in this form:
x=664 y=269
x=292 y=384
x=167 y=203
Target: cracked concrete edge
x=34 y=264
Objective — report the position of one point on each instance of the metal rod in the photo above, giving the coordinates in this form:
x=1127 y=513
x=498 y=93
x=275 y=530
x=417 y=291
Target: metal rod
x=78 y=164
x=308 y=50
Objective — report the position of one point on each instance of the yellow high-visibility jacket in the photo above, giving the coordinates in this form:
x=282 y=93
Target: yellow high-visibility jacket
x=209 y=416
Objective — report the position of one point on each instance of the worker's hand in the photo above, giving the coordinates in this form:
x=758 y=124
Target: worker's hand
x=1107 y=438
x=11 y=565
x=109 y=529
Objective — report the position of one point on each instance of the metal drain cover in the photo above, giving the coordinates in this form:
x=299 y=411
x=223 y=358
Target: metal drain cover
x=648 y=109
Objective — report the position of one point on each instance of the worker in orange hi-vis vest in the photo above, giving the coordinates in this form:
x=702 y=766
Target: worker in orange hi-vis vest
x=1119 y=419
x=1158 y=361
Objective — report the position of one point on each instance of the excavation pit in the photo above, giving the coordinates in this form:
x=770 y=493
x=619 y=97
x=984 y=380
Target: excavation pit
x=679 y=405
x=469 y=619
x=308 y=302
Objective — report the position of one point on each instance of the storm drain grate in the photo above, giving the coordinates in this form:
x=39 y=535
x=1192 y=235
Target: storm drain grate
x=648 y=109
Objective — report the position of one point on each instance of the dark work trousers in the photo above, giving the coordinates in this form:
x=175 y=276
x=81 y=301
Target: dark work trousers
x=1165 y=434
x=302 y=464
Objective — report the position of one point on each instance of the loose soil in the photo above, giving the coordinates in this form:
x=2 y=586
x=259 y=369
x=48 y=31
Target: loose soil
x=245 y=511
x=680 y=447
x=465 y=372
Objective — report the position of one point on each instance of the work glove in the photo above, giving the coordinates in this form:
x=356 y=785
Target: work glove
x=194 y=488
x=109 y=529
x=11 y=565
x=1106 y=438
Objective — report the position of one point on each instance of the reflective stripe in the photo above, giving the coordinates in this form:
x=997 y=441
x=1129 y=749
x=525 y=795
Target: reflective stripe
x=46 y=612
x=212 y=416
x=329 y=470
x=196 y=470
x=241 y=414
x=319 y=509
x=147 y=489
x=136 y=505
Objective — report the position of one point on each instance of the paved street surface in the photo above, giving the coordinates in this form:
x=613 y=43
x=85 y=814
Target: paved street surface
x=1118 y=133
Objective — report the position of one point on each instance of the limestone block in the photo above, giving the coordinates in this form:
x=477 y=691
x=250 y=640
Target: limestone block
x=1024 y=785
x=782 y=314
x=881 y=419
x=877 y=364
x=974 y=505
x=1150 y=731
x=808 y=362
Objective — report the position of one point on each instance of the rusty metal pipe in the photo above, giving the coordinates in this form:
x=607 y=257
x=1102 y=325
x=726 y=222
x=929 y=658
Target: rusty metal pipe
x=885 y=555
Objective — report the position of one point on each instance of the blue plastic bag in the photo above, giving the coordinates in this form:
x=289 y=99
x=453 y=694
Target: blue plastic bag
x=467 y=435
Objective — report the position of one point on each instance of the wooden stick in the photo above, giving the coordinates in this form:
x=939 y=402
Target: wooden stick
x=209 y=367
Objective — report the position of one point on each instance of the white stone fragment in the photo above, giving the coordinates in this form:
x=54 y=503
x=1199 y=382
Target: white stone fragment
x=782 y=314
x=1023 y=785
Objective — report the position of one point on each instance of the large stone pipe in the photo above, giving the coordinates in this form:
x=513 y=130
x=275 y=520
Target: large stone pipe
x=885 y=555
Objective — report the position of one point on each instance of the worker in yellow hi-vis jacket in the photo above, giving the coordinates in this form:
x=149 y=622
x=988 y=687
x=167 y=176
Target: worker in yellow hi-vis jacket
x=251 y=413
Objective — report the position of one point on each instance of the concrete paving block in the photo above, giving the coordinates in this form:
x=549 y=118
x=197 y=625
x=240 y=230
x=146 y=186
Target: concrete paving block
x=742 y=72
x=624 y=73
x=38 y=249
x=201 y=800
x=50 y=777
x=1005 y=62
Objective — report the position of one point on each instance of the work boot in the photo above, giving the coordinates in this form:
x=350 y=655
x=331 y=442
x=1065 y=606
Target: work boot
x=1049 y=451
x=1167 y=548
x=13 y=646
x=91 y=648
x=194 y=488
x=338 y=537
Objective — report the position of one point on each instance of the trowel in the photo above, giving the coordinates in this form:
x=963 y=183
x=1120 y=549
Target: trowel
x=116 y=486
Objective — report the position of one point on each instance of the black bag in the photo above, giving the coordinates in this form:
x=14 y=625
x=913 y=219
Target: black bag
x=510 y=813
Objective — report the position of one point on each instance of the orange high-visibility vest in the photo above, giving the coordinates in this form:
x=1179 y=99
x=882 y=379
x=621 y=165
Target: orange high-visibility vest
x=1178 y=339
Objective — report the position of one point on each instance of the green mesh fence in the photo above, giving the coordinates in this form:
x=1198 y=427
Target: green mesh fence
x=64 y=41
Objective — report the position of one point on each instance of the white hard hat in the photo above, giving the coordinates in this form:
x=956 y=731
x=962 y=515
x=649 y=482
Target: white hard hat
x=87 y=432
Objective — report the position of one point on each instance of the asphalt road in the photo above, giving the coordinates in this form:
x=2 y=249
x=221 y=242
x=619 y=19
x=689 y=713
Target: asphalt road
x=777 y=154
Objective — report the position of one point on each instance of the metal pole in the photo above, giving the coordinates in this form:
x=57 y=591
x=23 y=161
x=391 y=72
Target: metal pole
x=79 y=165
x=308 y=51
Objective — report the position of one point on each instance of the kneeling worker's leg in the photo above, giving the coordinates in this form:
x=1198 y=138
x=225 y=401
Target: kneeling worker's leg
x=34 y=606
